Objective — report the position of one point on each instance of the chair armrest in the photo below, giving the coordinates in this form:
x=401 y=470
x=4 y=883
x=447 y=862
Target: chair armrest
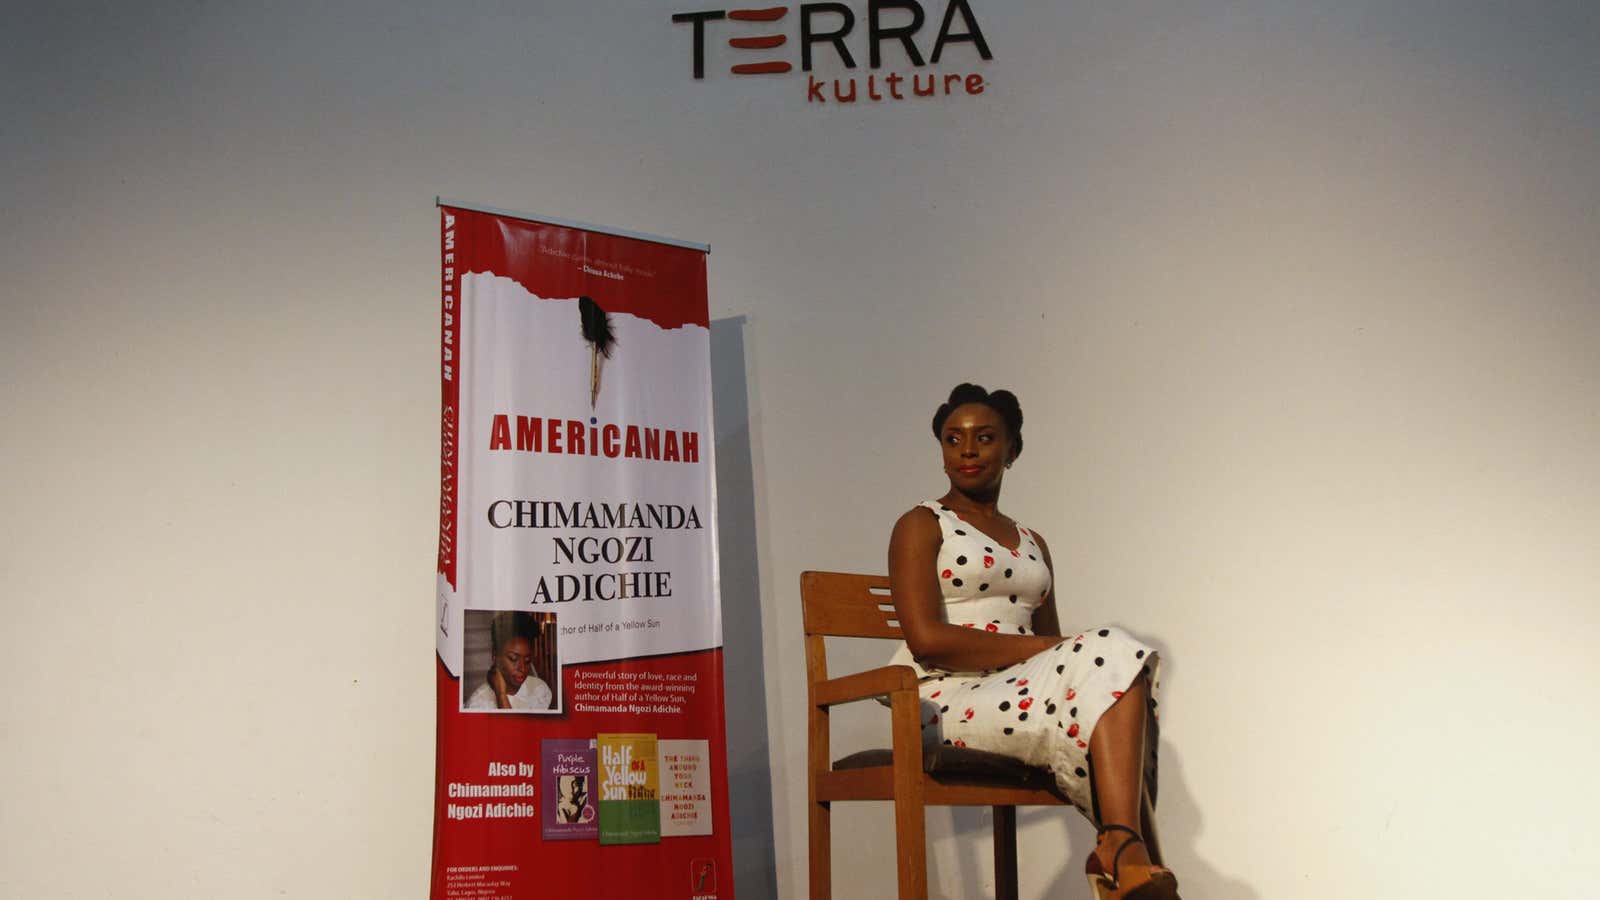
x=879 y=682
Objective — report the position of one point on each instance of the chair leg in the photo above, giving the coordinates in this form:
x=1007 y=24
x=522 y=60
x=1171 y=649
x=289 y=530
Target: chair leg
x=817 y=753
x=821 y=852
x=910 y=823
x=1005 y=853
x=910 y=840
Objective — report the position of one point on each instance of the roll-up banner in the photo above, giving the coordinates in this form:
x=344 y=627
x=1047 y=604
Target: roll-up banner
x=581 y=742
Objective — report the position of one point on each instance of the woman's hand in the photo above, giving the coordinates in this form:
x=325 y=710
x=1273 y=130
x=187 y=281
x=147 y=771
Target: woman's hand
x=502 y=698
x=919 y=606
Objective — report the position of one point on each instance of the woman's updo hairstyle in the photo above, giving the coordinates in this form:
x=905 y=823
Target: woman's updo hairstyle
x=1002 y=401
x=508 y=624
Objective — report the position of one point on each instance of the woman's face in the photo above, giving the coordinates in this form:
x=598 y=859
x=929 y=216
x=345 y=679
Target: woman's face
x=976 y=448
x=515 y=661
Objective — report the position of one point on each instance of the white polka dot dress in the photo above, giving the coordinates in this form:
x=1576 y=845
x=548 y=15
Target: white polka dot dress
x=1042 y=710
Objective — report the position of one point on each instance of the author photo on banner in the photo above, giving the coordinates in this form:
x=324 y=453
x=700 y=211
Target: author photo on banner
x=511 y=662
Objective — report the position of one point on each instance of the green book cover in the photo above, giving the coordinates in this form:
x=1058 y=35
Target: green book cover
x=630 y=789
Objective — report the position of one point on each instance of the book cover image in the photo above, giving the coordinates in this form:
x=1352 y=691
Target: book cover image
x=685 y=787
x=630 y=789
x=568 y=767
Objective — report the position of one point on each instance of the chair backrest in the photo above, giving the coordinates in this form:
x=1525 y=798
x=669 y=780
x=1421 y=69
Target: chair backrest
x=841 y=604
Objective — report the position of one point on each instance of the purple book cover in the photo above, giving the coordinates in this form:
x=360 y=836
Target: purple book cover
x=569 y=783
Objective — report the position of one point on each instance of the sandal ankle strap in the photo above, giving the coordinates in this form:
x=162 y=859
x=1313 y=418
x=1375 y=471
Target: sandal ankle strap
x=1116 y=858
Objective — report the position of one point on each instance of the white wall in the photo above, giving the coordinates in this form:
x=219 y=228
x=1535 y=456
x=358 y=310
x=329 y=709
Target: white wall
x=1300 y=299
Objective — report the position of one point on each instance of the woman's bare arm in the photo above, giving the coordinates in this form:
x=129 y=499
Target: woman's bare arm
x=914 y=584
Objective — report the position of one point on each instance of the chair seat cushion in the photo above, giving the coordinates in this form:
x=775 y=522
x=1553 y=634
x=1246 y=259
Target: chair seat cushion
x=959 y=762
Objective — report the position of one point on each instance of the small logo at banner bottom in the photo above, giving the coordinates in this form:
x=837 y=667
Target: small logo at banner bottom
x=703 y=879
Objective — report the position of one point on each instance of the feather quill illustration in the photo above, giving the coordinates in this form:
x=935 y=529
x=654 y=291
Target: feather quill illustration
x=597 y=331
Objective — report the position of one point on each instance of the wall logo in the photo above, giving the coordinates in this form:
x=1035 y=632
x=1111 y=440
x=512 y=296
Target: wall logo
x=758 y=43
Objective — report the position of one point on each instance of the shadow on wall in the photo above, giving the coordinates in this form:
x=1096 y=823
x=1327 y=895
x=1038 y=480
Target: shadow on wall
x=1178 y=816
x=743 y=684
x=1180 y=820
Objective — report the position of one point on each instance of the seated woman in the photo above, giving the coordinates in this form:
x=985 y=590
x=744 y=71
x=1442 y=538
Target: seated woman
x=974 y=597
x=511 y=683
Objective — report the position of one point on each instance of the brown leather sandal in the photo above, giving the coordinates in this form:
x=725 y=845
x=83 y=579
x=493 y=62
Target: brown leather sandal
x=1136 y=882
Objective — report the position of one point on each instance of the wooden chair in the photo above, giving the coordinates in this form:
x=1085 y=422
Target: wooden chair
x=841 y=605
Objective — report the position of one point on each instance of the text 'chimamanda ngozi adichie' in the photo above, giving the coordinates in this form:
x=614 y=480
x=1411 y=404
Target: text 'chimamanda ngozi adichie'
x=604 y=549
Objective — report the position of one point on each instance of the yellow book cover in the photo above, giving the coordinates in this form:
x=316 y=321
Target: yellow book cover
x=630 y=789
